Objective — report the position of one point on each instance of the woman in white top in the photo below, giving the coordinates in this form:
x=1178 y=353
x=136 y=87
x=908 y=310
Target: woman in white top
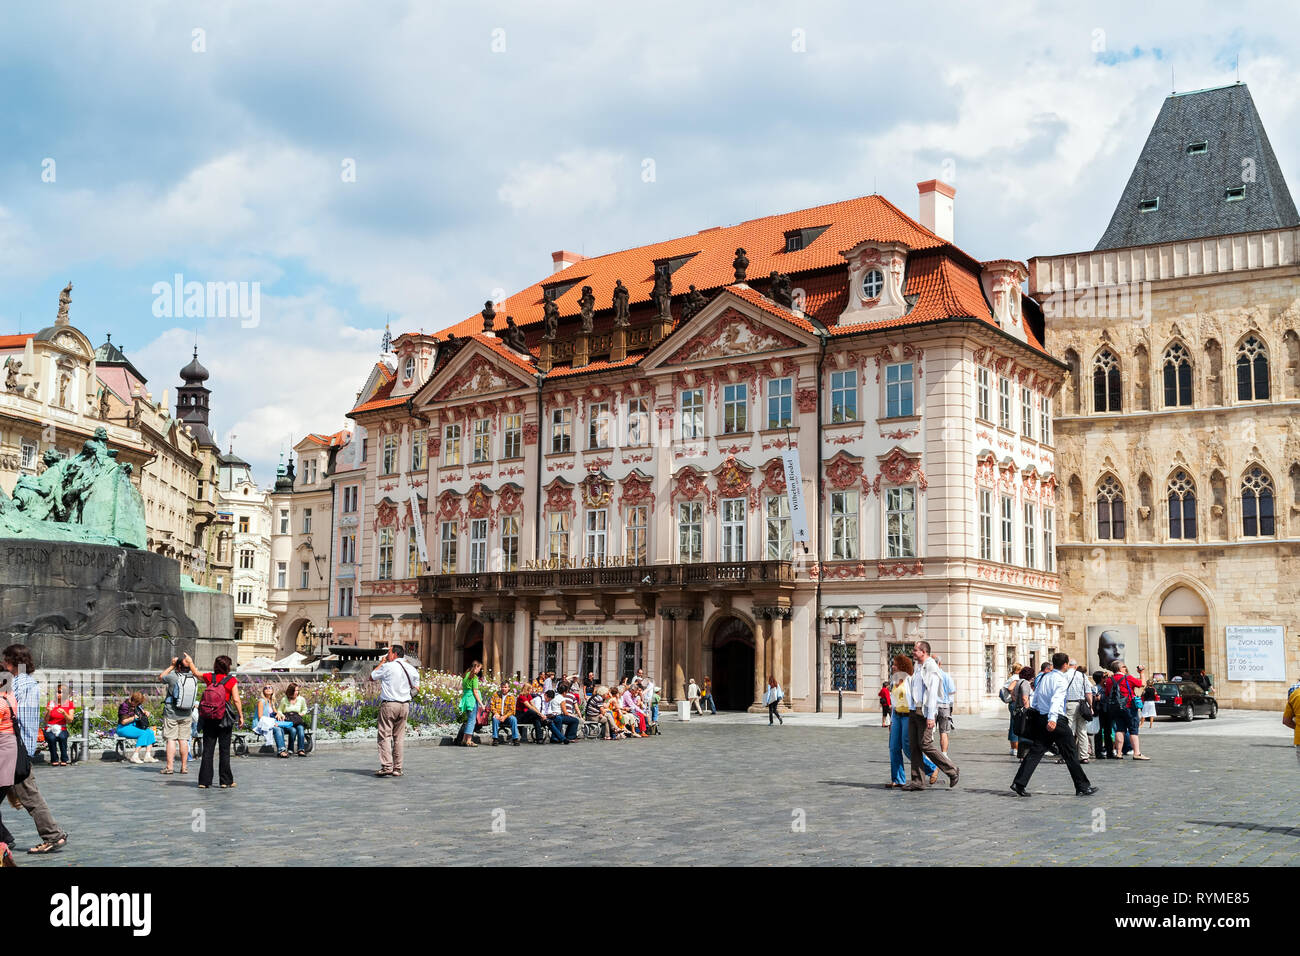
x=772 y=697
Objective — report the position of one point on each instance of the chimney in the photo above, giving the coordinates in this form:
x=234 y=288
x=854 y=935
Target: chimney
x=936 y=207
x=563 y=259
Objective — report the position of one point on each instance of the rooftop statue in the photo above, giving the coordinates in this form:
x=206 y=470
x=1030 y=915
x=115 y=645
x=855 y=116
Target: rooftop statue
x=87 y=498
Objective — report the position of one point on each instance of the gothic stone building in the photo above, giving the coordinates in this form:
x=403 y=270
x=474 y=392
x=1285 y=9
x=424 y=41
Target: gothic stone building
x=589 y=475
x=1179 y=447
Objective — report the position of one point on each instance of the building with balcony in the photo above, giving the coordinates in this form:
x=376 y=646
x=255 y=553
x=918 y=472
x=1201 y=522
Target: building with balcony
x=682 y=457
x=249 y=512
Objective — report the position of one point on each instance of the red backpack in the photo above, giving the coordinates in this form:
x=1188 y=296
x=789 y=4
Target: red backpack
x=212 y=705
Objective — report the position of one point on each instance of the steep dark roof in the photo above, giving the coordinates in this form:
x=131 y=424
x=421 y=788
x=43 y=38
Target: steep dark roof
x=1191 y=187
x=110 y=355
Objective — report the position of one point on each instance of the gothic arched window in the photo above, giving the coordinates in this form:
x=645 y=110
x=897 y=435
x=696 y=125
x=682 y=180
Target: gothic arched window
x=1110 y=510
x=1105 y=382
x=1182 y=507
x=1257 y=504
x=1252 y=370
x=1178 y=376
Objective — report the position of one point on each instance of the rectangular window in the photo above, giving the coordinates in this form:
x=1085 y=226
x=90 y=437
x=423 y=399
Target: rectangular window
x=348 y=549
x=1007 y=513
x=451 y=446
x=1049 y=541
x=900 y=522
x=243 y=524
x=733 y=529
x=780 y=402
x=898 y=390
x=559 y=535
x=844 y=396
x=390 y=454
x=1045 y=420
x=509 y=542
x=982 y=407
x=282 y=574
x=844 y=525
x=385 y=554
x=1027 y=413
x=1031 y=537
x=284 y=521
x=844 y=666
x=349 y=499
x=304 y=576
x=246 y=558
x=1004 y=402
x=629 y=658
x=345 y=602
x=413 y=569
x=306 y=521
x=29 y=455
x=447 y=546
x=988 y=668
x=246 y=596
x=638 y=421
x=311 y=471
x=482 y=440
x=735 y=409
x=637 y=534
x=478 y=545
x=779 y=541
x=551 y=656
x=589 y=659
x=561 y=430
x=596 y=534
x=986 y=524
x=693 y=413
x=690 y=532
x=365 y=449
x=598 y=425
x=512 y=439
x=419 y=449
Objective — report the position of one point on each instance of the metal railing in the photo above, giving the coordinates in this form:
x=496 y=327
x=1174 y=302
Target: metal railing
x=741 y=573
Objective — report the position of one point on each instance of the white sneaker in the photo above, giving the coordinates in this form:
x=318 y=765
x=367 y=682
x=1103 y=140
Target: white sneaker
x=135 y=757
x=149 y=757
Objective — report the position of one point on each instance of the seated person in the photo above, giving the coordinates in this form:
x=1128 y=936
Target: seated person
x=293 y=702
x=528 y=707
x=270 y=722
x=133 y=724
x=598 y=711
x=625 y=718
x=57 y=718
x=564 y=726
x=503 y=714
x=632 y=702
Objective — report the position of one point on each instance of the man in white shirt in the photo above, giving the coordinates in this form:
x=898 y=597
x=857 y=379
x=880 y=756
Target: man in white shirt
x=923 y=695
x=943 y=716
x=397 y=683
x=648 y=694
x=1078 y=688
x=1045 y=724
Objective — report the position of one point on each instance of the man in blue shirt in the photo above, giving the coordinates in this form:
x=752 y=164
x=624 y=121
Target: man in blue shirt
x=943 y=716
x=1045 y=724
x=17 y=660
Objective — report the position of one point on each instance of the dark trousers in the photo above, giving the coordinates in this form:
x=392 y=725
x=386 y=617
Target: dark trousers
x=922 y=744
x=5 y=835
x=1041 y=738
x=560 y=722
x=214 y=736
x=773 y=711
x=1105 y=740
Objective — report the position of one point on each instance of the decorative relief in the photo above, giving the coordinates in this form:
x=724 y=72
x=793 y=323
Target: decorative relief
x=774 y=477
x=478 y=377
x=899 y=468
x=448 y=505
x=843 y=471
x=478 y=502
x=510 y=499
x=597 y=490
x=899 y=569
x=559 y=497
x=901 y=434
x=806 y=400
x=731 y=334
x=636 y=490
x=530 y=433
x=1018 y=576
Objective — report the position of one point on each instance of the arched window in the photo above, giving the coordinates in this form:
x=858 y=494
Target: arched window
x=1105 y=382
x=1178 y=376
x=1252 y=370
x=1110 y=510
x=1182 y=507
x=1257 y=504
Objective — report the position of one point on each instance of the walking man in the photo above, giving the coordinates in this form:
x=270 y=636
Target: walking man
x=923 y=695
x=1045 y=725
x=943 y=716
x=397 y=683
x=17 y=660
x=1077 y=690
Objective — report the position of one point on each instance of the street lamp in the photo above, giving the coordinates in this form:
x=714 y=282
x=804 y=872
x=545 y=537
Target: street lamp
x=311 y=633
x=837 y=616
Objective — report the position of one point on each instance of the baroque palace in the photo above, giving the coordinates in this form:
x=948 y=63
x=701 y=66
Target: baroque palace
x=784 y=448
x=1179 y=445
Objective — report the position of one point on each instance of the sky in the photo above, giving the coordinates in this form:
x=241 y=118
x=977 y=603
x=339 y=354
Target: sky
x=401 y=162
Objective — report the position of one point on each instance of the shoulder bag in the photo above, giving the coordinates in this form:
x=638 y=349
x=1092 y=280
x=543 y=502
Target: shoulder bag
x=23 y=765
x=1085 y=708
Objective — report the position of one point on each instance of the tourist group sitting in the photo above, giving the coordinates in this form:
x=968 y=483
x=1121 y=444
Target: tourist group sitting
x=286 y=722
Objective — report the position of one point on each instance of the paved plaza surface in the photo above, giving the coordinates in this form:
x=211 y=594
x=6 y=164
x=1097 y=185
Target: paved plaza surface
x=728 y=790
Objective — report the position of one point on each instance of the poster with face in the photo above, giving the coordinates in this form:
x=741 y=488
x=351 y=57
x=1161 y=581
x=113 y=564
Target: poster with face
x=1112 y=642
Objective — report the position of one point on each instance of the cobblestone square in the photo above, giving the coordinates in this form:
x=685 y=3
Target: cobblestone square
x=726 y=790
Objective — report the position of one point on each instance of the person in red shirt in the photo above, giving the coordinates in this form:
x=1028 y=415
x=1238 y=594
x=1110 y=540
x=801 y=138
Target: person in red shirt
x=57 y=717
x=1124 y=703
x=215 y=737
x=885 y=707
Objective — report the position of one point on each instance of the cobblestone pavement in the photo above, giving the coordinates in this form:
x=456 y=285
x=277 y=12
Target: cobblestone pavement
x=722 y=793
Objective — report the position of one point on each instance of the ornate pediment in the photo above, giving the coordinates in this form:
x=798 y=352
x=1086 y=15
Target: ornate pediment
x=730 y=335
x=478 y=377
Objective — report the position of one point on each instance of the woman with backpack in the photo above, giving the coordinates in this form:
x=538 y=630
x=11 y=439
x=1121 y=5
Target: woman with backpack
x=900 y=748
x=220 y=712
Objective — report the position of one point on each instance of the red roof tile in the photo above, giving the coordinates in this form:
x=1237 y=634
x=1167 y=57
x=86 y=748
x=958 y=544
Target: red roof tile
x=15 y=341
x=771 y=308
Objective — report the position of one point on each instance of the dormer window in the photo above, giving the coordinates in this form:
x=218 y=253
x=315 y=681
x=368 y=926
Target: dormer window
x=794 y=242
x=796 y=239
x=873 y=283
x=410 y=367
x=1234 y=193
x=1149 y=205
x=1198 y=149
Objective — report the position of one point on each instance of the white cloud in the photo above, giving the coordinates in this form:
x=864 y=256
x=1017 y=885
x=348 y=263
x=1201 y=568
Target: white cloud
x=573 y=183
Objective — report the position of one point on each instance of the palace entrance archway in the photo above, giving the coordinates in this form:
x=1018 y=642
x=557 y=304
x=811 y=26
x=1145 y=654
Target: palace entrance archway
x=733 y=665
x=472 y=648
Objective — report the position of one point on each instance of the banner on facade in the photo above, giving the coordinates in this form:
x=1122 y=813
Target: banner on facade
x=794 y=494
x=586 y=629
x=416 y=521
x=1256 y=652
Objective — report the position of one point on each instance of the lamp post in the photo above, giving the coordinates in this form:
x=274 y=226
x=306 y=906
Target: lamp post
x=837 y=616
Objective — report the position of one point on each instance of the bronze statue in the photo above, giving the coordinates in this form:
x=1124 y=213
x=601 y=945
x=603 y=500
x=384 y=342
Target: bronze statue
x=551 y=316
x=12 y=368
x=489 y=314
x=663 y=292
x=695 y=301
x=103 y=404
x=740 y=265
x=620 y=304
x=779 y=291
x=514 y=336
x=65 y=299
x=587 y=305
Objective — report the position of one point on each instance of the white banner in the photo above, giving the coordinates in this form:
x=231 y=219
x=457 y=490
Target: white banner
x=794 y=492
x=1256 y=652
x=416 y=521
x=586 y=629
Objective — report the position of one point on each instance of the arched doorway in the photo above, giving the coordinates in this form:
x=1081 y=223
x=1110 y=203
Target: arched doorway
x=472 y=646
x=733 y=665
x=1183 y=618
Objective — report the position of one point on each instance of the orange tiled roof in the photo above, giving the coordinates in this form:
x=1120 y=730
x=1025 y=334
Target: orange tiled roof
x=329 y=440
x=564 y=371
x=381 y=398
x=712 y=251
x=771 y=308
x=505 y=351
x=15 y=341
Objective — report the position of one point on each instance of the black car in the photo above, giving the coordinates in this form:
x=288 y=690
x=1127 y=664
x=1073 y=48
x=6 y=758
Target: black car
x=1184 y=700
